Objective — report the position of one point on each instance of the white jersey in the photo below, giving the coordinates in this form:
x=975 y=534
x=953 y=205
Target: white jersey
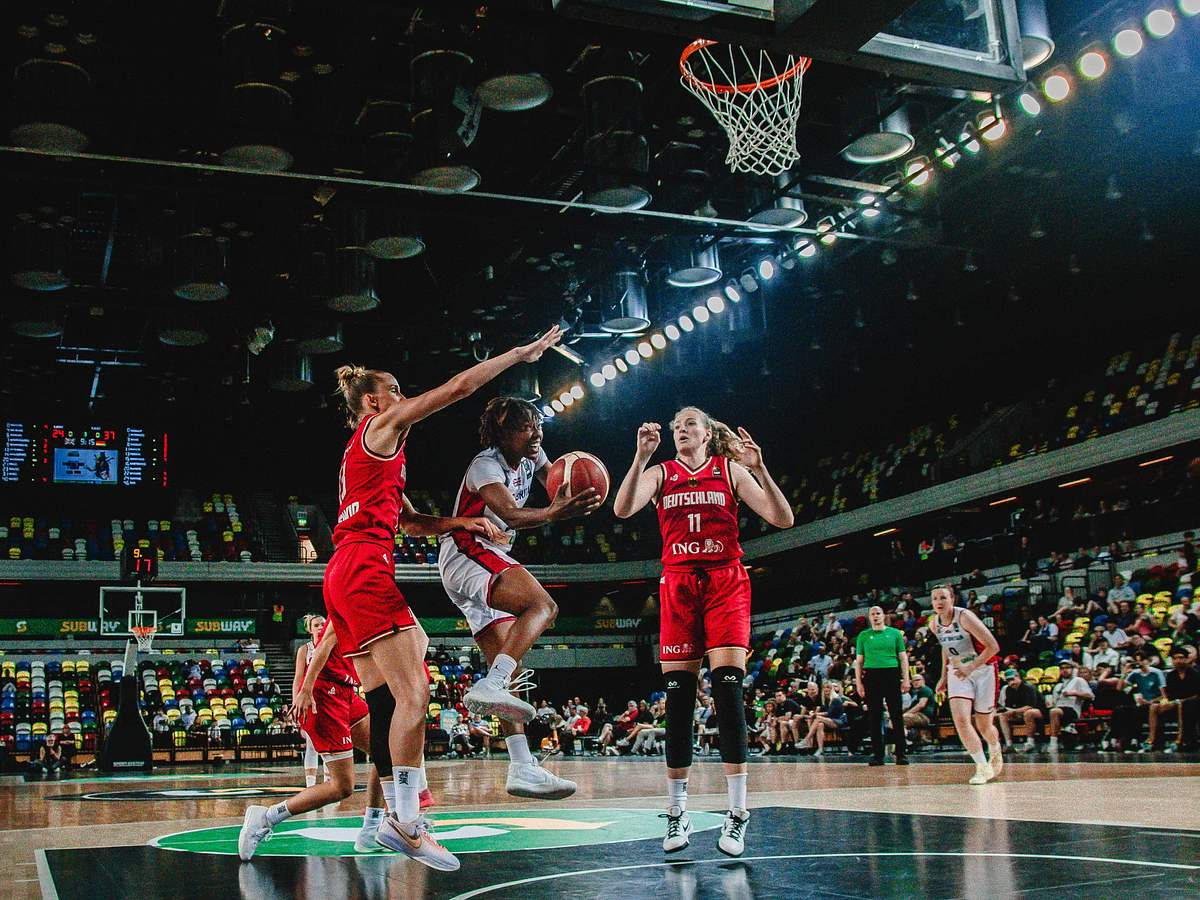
x=955 y=640
x=490 y=467
x=309 y=649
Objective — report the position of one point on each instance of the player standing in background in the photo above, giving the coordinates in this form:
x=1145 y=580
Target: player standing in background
x=374 y=625
x=704 y=592
x=971 y=680
x=313 y=624
x=505 y=606
x=337 y=720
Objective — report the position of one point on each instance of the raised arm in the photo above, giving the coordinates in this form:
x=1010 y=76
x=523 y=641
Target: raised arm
x=639 y=485
x=388 y=427
x=756 y=488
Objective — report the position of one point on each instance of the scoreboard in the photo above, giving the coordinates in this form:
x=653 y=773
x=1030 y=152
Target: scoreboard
x=48 y=453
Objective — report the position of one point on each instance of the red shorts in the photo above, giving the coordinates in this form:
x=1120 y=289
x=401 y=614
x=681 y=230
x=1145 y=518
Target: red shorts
x=703 y=610
x=339 y=708
x=361 y=596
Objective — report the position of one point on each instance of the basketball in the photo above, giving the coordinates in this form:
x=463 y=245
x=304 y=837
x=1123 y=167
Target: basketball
x=580 y=471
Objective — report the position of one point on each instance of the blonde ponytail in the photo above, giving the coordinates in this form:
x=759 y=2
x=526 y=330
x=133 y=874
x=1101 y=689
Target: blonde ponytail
x=353 y=382
x=724 y=442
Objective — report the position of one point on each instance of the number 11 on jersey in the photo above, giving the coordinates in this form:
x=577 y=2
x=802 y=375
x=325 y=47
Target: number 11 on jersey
x=693 y=522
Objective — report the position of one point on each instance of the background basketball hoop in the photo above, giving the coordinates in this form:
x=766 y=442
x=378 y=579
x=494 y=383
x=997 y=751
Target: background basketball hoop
x=756 y=101
x=144 y=635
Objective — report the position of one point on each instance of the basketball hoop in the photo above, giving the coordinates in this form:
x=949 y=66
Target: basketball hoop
x=757 y=103
x=144 y=635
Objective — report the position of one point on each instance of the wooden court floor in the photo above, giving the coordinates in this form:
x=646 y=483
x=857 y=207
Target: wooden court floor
x=837 y=829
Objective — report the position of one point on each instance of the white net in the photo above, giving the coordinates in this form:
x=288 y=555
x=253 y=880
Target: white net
x=144 y=635
x=754 y=99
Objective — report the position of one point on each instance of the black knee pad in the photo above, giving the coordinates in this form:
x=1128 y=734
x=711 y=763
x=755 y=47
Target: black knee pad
x=681 y=712
x=381 y=704
x=731 y=714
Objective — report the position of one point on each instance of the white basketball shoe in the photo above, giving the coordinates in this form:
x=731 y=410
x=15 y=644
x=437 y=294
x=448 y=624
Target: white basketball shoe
x=679 y=829
x=532 y=781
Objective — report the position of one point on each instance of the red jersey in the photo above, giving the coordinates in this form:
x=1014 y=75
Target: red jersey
x=369 y=491
x=697 y=514
x=337 y=667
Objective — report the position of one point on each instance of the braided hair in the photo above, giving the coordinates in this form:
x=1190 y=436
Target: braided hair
x=503 y=414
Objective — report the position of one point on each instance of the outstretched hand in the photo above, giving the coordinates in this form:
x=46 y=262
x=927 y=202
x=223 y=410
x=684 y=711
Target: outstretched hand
x=649 y=435
x=749 y=453
x=533 y=352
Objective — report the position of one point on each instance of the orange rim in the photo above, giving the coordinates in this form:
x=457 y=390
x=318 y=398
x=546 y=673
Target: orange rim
x=800 y=67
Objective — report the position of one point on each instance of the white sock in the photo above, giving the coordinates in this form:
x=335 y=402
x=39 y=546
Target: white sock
x=1054 y=743
x=502 y=667
x=407 y=781
x=980 y=759
x=372 y=817
x=424 y=781
x=677 y=791
x=278 y=813
x=736 y=785
x=389 y=794
x=310 y=780
x=518 y=749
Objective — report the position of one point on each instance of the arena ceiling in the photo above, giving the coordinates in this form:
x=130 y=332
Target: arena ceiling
x=148 y=268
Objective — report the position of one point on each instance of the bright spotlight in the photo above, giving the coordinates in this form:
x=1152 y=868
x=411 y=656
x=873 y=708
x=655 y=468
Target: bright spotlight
x=658 y=342
x=748 y=282
x=991 y=126
x=645 y=349
x=686 y=323
x=967 y=141
x=556 y=405
x=715 y=304
x=672 y=332
x=1056 y=88
x=1189 y=7
x=1030 y=104
x=918 y=170
x=631 y=357
x=700 y=314
x=807 y=249
x=1160 y=22
x=597 y=379
x=548 y=411
x=870 y=210
x=609 y=371
x=620 y=365
x=577 y=391
x=766 y=268
x=825 y=230
x=1128 y=42
x=1092 y=64
x=565 y=398
x=732 y=292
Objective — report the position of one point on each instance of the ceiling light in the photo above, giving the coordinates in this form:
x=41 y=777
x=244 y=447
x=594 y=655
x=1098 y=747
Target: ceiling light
x=609 y=371
x=1160 y=22
x=991 y=126
x=1001 y=502
x=597 y=379
x=556 y=405
x=766 y=268
x=748 y=282
x=672 y=332
x=658 y=342
x=945 y=153
x=1154 y=462
x=700 y=314
x=577 y=391
x=548 y=411
x=686 y=323
x=918 y=171
x=807 y=249
x=715 y=303
x=1128 y=42
x=732 y=291
x=825 y=230
x=1030 y=104
x=1067 y=484
x=631 y=357
x=645 y=350
x=620 y=365
x=968 y=142
x=1057 y=87
x=565 y=398
x=1092 y=64
x=1189 y=7
x=886 y=531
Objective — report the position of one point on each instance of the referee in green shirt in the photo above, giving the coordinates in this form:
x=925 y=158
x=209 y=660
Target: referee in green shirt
x=881 y=674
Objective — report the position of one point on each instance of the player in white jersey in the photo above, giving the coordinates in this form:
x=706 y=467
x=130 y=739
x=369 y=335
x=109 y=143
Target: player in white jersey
x=505 y=606
x=970 y=678
x=312 y=624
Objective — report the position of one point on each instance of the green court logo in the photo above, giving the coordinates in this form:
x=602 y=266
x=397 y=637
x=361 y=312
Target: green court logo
x=203 y=793
x=489 y=831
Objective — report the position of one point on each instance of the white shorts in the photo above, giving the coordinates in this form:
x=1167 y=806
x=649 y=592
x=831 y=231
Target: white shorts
x=469 y=569
x=980 y=687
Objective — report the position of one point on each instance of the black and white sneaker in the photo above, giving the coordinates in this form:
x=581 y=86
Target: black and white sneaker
x=679 y=829
x=732 y=841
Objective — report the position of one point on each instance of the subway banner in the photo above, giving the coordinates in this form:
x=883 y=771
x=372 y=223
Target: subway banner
x=86 y=628
x=450 y=627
